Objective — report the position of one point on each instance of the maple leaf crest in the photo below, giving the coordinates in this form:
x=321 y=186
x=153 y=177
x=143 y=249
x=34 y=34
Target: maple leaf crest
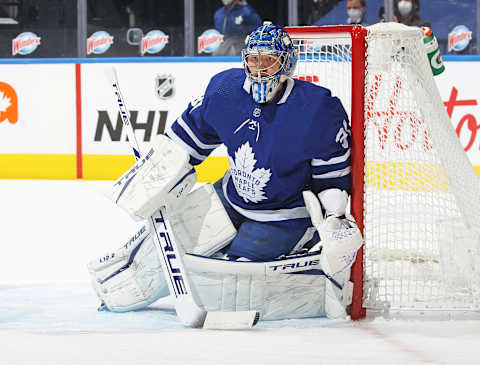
x=248 y=182
x=4 y=102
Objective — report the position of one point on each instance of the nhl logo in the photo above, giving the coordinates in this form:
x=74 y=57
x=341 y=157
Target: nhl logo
x=165 y=86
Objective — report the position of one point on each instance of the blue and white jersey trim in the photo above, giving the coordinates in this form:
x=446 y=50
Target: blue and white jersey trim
x=333 y=174
x=334 y=167
x=332 y=161
x=288 y=90
x=194 y=138
x=187 y=147
x=265 y=215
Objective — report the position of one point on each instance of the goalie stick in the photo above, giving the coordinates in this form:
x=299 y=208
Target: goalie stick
x=188 y=311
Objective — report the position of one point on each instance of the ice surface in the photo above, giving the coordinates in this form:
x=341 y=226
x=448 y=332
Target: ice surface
x=51 y=229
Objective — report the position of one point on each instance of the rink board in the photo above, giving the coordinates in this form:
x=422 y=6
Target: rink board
x=59 y=118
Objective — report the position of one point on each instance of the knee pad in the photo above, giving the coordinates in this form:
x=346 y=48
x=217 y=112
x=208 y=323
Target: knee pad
x=201 y=223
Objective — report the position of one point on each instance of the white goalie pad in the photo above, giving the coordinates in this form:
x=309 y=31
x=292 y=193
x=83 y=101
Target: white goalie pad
x=131 y=277
x=161 y=178
x=200 y=222
x=279 y=289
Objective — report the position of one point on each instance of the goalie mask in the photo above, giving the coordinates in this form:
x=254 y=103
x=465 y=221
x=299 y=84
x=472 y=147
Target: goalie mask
x=269 y=58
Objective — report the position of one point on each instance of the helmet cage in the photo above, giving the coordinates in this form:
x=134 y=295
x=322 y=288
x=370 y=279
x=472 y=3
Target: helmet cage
x=261 y=73
x=268 y=40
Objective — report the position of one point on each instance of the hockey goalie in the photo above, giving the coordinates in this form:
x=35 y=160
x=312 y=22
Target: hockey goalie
x=273 y=234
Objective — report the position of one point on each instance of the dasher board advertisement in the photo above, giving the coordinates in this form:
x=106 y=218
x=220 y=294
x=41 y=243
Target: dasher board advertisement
x=60 y=120
x=155 y=94
x=37 y=108
x=37 y=121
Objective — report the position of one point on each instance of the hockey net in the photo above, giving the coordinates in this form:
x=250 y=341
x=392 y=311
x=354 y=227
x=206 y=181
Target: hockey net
x=415 y=193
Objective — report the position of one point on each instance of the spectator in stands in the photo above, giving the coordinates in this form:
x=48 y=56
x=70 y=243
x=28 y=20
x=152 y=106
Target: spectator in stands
x=381 y=14
x=311 y=12
x=235 y=20
x=408 y=13
x=356 y=12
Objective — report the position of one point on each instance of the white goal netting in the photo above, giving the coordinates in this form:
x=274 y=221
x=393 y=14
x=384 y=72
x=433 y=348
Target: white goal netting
x=421 y=206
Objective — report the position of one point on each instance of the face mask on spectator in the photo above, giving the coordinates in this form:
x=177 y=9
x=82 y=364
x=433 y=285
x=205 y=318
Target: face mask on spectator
x=227 y=2
x=404 y=7
x=355 y=15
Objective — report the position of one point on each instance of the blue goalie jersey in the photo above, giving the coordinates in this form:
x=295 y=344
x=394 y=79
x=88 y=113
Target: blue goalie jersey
x=299 y=141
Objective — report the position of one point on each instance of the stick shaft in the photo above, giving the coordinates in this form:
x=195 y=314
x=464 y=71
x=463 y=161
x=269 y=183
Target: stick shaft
x=132 y=140
x=173 y=268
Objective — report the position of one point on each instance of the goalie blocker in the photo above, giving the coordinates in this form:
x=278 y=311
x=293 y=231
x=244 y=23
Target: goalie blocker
x=160 y=178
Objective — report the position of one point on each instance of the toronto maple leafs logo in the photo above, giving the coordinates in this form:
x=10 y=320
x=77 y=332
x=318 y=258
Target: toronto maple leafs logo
x=249 y=182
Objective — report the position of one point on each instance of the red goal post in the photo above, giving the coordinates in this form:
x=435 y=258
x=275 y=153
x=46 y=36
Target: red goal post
x=357 y=37
x=415 y=194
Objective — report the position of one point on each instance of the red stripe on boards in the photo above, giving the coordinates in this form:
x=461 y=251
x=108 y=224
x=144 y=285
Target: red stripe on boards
x=78 y=91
